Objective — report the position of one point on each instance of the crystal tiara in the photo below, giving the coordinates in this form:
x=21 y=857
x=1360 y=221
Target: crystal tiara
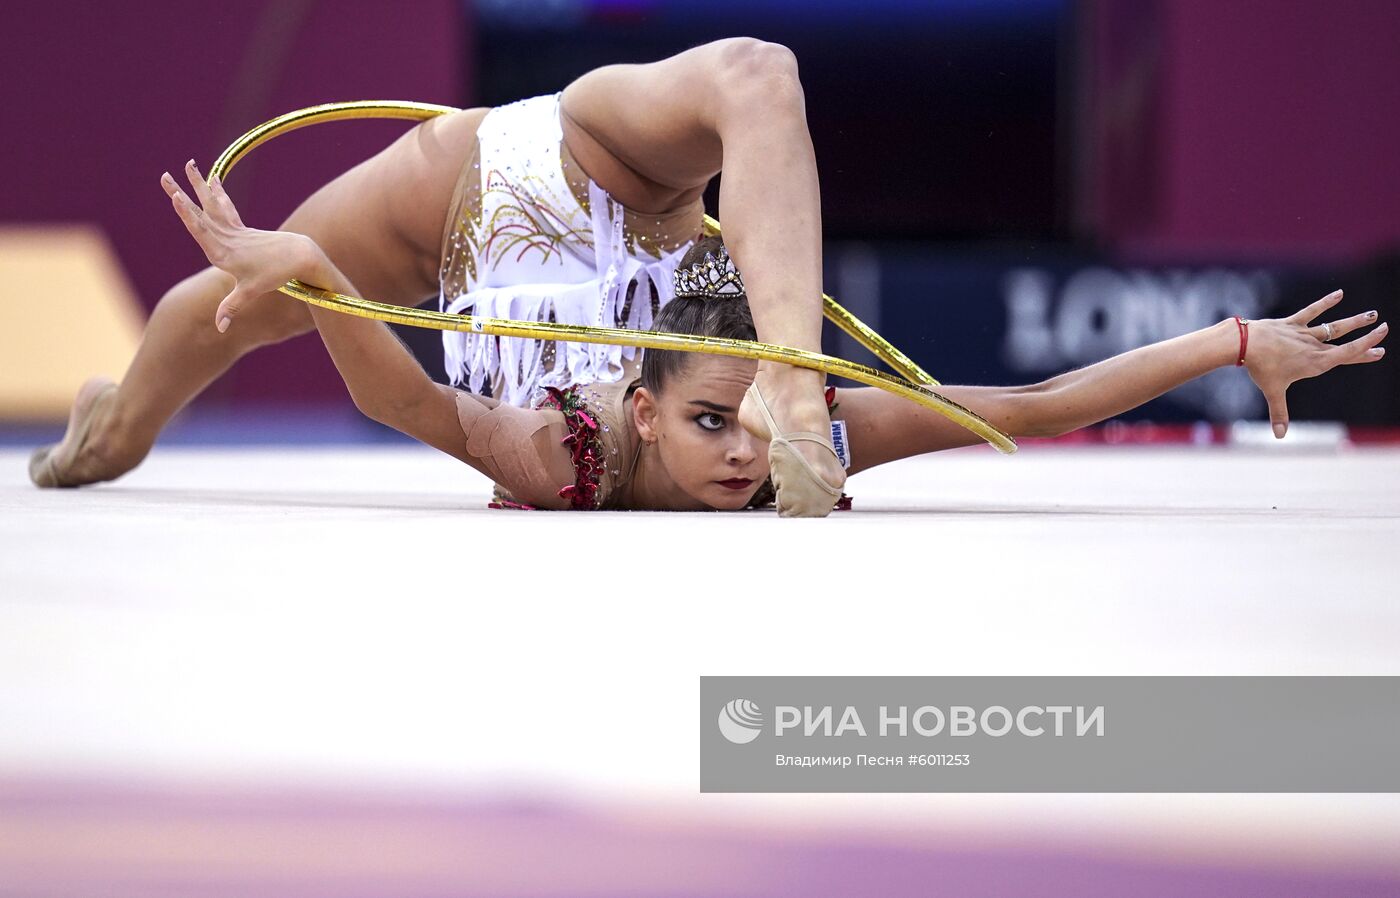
x=712 y=277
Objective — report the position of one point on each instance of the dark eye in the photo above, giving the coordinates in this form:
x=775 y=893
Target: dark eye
x=710 y=421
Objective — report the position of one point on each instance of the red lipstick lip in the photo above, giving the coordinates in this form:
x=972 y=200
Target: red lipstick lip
x=737 y=483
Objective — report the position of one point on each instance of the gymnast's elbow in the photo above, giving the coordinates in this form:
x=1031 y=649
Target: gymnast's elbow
x=1042 y=413
x=396 y=415
x=375 y=409
x=400 y=402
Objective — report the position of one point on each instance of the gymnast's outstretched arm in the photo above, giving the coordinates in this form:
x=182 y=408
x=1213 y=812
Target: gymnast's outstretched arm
x=518 y=448
x=882 y=427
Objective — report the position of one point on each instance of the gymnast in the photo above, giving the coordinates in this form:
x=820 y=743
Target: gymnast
x=585 y=207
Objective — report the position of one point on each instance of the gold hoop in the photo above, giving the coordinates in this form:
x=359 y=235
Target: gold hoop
x=915 y=387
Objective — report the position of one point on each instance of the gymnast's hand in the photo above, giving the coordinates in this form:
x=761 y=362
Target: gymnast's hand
x=1284 y=350
x=259 y=261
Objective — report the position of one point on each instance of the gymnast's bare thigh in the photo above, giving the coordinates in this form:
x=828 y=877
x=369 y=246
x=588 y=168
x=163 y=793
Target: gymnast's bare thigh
x=381 y=222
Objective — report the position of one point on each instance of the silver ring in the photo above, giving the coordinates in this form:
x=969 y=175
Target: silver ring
x=1327 y=329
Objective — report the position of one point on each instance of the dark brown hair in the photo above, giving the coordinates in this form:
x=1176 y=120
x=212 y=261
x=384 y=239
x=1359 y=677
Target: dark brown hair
x=726 y=316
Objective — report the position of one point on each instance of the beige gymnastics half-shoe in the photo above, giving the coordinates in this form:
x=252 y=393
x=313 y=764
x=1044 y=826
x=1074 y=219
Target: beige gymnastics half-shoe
x=802 y=491
x=48 y=465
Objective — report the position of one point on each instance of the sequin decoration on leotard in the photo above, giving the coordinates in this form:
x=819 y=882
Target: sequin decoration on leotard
x=525 y=217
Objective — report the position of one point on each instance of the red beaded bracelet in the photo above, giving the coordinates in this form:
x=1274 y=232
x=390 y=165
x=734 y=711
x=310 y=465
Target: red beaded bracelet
x=1244 y=338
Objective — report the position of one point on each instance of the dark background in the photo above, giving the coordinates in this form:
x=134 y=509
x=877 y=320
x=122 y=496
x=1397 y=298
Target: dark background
x=1164 y=163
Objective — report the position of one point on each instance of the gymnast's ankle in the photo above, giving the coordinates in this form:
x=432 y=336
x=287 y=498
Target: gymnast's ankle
x=111 y=448
x=793 y=392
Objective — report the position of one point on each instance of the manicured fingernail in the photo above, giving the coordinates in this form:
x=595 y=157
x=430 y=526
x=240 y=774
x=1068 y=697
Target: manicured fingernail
x=1279 y=430
x=1378 y=351
x=224 y=323
x=1371 y=314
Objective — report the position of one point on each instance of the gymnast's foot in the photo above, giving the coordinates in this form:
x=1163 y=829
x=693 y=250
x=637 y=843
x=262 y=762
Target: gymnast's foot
x=90 y=451
x=806 y=473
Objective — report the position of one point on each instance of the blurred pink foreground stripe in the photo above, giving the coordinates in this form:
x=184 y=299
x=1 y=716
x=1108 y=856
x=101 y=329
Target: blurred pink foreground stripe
x=85 y=839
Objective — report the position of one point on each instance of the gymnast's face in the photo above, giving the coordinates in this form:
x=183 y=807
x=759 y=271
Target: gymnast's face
x=694 y=428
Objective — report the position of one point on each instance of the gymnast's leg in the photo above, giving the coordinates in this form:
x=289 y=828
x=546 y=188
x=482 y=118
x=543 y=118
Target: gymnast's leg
x=735 y=104
x=380 y=222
